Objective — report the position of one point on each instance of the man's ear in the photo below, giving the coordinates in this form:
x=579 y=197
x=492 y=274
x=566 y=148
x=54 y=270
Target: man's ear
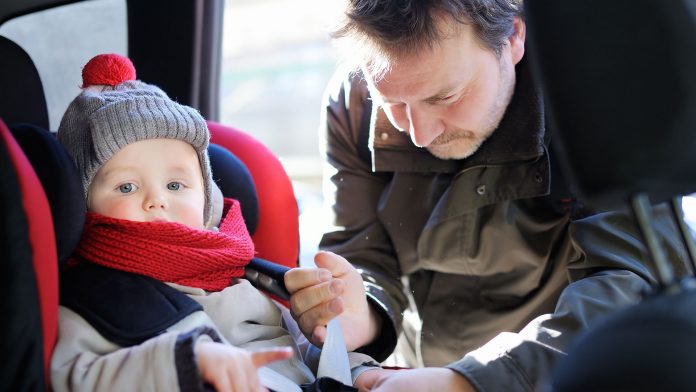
x=517 y=40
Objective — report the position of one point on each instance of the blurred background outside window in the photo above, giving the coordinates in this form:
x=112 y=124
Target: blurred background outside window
x=277 y=60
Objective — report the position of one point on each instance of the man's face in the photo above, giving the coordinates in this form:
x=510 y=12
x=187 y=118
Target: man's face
x=450 y=98
x=151 y=180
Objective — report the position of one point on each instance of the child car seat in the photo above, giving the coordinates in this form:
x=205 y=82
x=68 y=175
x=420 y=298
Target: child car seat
x=29 y=272
x=276 y=235
x=31 y=249
x=21 y=93
x=39 y=222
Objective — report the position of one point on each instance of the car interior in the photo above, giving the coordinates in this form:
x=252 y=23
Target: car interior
x=42 y=214
x=628 y=141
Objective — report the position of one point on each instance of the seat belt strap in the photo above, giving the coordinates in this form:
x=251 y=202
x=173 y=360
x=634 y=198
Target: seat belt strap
x=333 y=361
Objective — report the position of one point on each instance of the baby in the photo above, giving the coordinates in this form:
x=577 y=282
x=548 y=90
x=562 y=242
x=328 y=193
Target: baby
x=152 y=299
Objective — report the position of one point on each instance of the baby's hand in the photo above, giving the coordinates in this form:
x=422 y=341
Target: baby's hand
x=232 y=369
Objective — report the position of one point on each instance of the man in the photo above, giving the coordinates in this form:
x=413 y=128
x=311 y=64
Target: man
x=448 y=201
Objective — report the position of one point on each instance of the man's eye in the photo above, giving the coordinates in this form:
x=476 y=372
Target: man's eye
x=446 y=100
x=126 y=188
x=174 y=186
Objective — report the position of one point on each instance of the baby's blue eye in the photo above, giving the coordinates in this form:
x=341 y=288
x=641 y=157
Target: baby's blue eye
x=174 y=186
x=126 y=188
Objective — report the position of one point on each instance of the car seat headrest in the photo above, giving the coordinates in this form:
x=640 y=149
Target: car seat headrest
x=234 y=180
x=61 y=183
x=22 y=97
x=620 y=95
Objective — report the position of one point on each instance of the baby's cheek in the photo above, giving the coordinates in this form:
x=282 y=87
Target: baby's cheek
x=191 y=214
x=120 y=209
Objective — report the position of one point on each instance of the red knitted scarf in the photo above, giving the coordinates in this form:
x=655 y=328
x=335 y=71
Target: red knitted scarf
x=170 y=252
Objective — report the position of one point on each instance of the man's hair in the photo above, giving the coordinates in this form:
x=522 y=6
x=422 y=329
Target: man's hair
x=389 y=28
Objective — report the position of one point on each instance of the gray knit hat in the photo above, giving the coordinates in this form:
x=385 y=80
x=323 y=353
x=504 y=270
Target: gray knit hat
x=115 y=110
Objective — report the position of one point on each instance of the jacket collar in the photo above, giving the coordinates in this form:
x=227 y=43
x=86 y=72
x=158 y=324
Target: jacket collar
x=519 y=137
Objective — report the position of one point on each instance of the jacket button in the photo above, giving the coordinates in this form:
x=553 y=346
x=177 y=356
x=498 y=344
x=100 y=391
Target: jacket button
x=538 y=178
x=384 y=136
x=481 y=190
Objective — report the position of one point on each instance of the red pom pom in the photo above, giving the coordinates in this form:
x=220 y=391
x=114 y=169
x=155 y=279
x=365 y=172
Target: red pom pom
x=107 y=69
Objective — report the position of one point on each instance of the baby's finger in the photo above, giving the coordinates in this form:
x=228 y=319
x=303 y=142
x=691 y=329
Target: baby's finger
x=221 y=381
x=265 y=356
x=239 y=376
x=253 y=383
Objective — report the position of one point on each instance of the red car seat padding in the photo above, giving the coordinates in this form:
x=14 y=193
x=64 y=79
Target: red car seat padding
x=277 y=234
x=42 y=241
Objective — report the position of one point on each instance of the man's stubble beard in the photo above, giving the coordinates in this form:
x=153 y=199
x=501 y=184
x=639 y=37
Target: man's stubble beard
x=468 y=142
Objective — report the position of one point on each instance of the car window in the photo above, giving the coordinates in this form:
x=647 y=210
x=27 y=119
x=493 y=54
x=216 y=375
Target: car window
x=277 y=60
x=54 y=41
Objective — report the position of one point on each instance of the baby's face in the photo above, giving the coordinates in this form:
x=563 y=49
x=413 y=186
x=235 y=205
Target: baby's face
x=151 y=180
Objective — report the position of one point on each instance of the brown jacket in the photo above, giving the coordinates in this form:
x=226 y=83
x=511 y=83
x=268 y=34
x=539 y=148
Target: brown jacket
x=486 y=244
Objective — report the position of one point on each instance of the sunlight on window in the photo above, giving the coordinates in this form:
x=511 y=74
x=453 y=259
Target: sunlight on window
x=277 y=59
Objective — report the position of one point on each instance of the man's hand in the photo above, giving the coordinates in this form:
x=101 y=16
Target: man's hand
x=425 y=379
x=320 y=294
x=232 y=369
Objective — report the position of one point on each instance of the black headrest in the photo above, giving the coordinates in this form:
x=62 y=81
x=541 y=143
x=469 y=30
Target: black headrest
x=61 y=182
x=234 y=180
x=619 y=80
x=646 y=347
x=22 y=97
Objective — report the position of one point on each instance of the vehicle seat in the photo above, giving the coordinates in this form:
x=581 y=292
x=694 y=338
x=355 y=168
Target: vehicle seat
x=276 y=235
x=621 y=93
x=22 y=98
x=30 y=247
x=29 y=272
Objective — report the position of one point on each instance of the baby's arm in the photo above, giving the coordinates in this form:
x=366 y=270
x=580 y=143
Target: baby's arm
x=83 y=360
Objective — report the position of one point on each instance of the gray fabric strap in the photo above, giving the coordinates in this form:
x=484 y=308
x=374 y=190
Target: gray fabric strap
x=333 y=361
x=277 y=382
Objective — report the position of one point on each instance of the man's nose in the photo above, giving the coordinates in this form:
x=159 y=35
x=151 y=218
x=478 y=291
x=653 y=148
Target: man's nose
x=423 y=127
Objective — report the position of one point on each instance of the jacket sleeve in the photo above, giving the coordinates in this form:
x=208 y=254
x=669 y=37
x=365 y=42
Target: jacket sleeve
x=607 y=269
x=83 y=360
x=353 y=191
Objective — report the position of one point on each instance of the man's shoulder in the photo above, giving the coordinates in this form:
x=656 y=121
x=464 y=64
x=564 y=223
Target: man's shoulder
x=347 y=85
x=347 y=111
